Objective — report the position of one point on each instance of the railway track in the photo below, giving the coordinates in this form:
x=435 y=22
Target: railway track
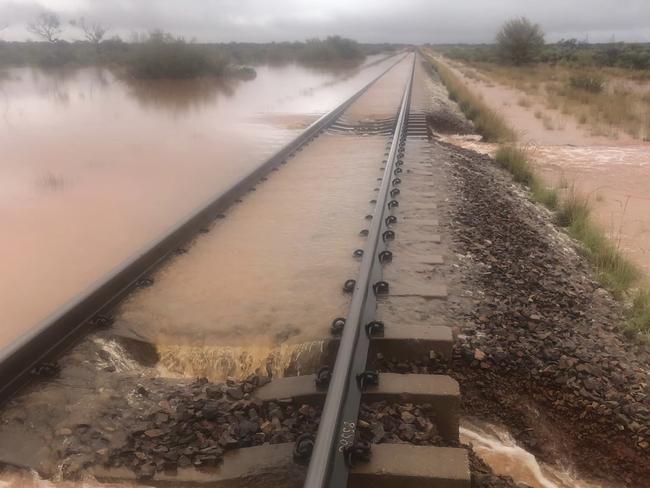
x=339 y=453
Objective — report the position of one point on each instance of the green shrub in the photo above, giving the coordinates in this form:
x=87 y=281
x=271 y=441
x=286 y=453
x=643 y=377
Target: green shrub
x=514 y=158
x=640 y=312
x=520 y=41
x=162 y=56
x=586 y=82
x=575 y=209
x=334 y=48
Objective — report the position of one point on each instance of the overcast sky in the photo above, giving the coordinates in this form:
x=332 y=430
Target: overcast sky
x=414 y=21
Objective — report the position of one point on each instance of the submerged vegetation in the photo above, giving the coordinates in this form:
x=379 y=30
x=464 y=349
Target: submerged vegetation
x=572 y=210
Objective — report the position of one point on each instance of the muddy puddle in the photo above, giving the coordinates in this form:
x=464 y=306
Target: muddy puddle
x=94 y=167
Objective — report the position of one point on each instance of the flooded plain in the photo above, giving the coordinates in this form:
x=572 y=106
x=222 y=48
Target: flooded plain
x=265 y=281
x=93 y=166
x=613 y=173
x=264 y=285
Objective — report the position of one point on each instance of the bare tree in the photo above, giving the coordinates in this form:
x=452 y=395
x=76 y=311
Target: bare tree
x=93 y=33
x=46 y=26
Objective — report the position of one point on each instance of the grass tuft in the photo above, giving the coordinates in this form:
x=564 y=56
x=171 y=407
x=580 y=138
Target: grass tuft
x=615 y=271
x=487 y=122
x=640 y=312
x=514 y=158
x=589 y=83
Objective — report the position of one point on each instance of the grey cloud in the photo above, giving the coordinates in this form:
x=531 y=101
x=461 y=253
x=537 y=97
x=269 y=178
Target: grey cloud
x=414 y=21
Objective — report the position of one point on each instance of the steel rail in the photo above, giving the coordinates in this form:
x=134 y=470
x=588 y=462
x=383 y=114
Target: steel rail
x=50 y=336
x=334 y=449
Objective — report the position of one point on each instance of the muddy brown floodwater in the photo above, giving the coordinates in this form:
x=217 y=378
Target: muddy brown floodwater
x=613 y=173
x=264 y=285
x=94 y=167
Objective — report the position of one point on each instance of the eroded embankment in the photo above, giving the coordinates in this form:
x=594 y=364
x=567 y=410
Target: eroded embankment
x=540 y=345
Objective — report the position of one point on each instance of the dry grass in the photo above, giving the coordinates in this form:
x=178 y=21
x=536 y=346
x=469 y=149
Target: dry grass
x=486 y=121
x=514 y=158
x=573 y=210
x=610 y=101
x=640 y=312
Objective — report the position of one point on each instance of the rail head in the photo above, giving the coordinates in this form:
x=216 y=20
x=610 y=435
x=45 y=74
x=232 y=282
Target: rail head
x=330 y=458
x=60 y=329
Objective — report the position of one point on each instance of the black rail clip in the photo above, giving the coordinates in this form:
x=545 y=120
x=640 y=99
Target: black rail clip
x=144 y=282
x=388 y=235
x=46 y=370
x=364 y=232
x=397 y=181
x=303 y=448
x=102 y=321
x=359 y=452
x=348 y=286
x=393 y=204
x=337 y=326
x=394 y=192
x=381 y=288
x=358 y=253
x=391 y=219
x=368 y=378
x=323 y=377
x=385 y=257
x=375 y=328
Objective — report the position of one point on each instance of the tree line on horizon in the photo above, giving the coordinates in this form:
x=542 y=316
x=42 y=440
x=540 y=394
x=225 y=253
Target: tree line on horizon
x=159 y=54
x=520 y=42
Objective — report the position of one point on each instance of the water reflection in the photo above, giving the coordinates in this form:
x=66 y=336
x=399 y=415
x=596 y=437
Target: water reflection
x=180 y=96
x=91 y=171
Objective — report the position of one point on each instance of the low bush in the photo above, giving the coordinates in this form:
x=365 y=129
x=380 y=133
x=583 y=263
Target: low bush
x=162 y=56
x=514 y=158
x=332 y=49
x=589 y=83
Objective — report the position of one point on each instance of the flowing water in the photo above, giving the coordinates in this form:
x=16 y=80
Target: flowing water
x=94 y=166
x=496 y=447
x=261 y=289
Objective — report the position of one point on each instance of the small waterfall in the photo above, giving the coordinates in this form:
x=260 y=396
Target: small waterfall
x=113 y=355
x=496 y=447
x=220 y=362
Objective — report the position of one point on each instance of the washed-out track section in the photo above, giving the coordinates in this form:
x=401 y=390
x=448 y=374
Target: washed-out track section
x=335 y=457
x=362 y=465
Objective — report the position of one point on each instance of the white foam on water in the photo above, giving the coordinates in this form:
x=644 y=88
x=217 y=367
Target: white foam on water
x=496 y=447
